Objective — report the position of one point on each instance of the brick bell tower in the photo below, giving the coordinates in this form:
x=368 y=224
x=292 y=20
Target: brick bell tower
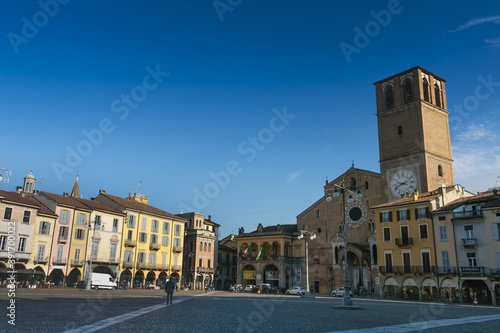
x=413 y=132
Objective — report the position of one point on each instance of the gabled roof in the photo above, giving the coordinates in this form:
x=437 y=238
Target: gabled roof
x=422 y=198
x=27 y=200
x=66 y=201
x=139 y=206
x=96 y=205
x=479 y=198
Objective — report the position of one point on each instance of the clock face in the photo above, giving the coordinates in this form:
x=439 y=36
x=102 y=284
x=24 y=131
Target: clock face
x=402 y=182
x=355 y=214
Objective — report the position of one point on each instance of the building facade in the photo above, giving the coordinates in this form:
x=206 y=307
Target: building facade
x=326 y=251
x=200 y=250
x=271 y=255
x=413 y=132
x=406 y=244
x=468 y=248
x=152 y=242
x=226 y=264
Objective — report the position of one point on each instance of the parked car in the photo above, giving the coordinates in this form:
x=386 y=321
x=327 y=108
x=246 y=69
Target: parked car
x=264 y=288
x=296 y=291
x=340 y=291
x=278 y=290
x=249 y=288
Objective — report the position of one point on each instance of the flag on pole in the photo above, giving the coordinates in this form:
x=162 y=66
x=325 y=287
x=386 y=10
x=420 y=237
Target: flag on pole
x=260 y=252
x=246 y=252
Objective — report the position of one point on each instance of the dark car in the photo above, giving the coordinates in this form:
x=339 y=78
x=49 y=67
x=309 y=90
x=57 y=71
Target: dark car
x=278 y=290
x=263 y=288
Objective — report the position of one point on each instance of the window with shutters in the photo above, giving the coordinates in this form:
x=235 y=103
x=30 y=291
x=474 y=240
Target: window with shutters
x=131 y=221
x=26 y=216
x=443 y=233
x=44 y=228
x=496 y=231
x=7 y=214
x=421 y=213
x=403 y=215
x=423 y=231
x=387 y=234
x=386 y=216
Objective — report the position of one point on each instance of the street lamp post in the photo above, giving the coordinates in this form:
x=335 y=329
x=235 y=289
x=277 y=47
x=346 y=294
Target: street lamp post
x=347 y=301
x=312 y=235
x=89 y=276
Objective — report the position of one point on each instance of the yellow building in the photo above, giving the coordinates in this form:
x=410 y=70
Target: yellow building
x=405 y=243
x=152 y=242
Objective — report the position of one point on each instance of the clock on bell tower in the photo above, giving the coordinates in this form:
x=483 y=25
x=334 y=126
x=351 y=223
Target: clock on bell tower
x=413 y=132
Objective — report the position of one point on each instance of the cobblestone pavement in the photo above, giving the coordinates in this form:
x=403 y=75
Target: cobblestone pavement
x=139 y=310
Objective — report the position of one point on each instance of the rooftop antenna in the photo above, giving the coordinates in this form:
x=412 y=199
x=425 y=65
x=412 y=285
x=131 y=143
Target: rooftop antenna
x=5 y=179
x=40 y=182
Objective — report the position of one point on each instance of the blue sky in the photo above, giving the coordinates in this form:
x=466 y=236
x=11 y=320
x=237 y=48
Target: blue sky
x=250 y=103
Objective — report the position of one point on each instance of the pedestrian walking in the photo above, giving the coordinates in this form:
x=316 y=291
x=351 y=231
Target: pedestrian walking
x=169 y=289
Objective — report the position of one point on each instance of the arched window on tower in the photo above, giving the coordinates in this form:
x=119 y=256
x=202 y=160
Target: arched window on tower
x=400 y=130
x=440 y=170
x=425 y=87
x=407 y=91
x=437 y=92
x=389 y=97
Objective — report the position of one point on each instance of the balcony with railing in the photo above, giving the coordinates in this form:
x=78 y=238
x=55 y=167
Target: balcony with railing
x=76 y=262
x=128 y=264
x=62 y=239
x=40 y=260
x=273 y=258
x=467 y=214
x=106 y=260
x=23 y=256
x=59 y=261
x=130 y=242
x=447 y=270
x=469 y=242
x=415 y=270
x=404 y=241
x=154 y=246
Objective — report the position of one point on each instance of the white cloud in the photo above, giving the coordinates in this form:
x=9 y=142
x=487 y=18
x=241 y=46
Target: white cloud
x=477 y=21
x=495 y=42
x=476 y=154
x=293 y=177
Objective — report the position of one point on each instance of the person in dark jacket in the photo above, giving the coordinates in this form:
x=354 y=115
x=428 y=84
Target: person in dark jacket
x=169 y=289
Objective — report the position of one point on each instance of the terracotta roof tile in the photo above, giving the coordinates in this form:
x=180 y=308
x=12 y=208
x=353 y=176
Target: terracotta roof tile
x=135 y=205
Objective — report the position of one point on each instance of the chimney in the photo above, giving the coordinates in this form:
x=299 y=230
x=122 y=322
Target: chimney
x=443 y=194
x=210 y=217
x=415 y=195
x=102 y=192
x=65 y=194
x=19 y=189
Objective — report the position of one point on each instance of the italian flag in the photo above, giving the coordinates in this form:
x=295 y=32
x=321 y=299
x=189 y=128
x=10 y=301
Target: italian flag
x=246 y=252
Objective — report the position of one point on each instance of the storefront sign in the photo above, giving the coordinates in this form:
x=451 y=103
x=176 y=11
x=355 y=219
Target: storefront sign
x=248 y=275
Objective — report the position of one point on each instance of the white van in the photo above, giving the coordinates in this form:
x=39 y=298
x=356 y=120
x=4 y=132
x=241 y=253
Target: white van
x=101 y=280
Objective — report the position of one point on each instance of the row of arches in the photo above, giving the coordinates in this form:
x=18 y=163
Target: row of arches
x=269 y=250
x=468 y=292
x=407 y=92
